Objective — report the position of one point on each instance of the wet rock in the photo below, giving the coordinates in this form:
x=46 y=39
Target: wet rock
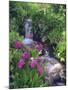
x=54 y=69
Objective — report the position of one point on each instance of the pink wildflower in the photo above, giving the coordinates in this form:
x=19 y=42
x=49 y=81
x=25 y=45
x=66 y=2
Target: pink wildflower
x=26 y=55
x=33 y=63
x=18 y=44
x=20 y=63
x=40 y=69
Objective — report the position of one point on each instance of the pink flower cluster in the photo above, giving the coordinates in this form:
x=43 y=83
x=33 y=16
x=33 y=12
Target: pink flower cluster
x=20 y=63
x=34 y=63
x=26 y=55
x=18 y=44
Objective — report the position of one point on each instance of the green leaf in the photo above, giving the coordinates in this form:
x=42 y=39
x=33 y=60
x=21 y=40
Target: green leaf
x=33 y=53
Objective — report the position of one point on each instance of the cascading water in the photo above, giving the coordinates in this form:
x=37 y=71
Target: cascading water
x=28 y=33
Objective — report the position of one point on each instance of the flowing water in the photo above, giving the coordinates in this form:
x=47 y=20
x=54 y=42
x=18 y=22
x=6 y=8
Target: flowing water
x=28 y=34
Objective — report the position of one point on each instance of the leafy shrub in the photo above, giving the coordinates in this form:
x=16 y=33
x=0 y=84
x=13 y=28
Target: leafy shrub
x=60 y=50
x=14 y=36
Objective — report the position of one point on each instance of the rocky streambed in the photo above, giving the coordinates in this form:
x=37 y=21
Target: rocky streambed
x=55 y=71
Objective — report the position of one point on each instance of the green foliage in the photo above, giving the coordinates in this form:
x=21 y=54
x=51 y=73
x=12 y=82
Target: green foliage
x=14 y=36
x=34 y=53
x=60 y=51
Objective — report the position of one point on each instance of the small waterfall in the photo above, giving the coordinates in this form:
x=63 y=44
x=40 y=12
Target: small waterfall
x=28 y=33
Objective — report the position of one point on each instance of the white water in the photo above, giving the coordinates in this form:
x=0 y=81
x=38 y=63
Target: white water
x=28 y=27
